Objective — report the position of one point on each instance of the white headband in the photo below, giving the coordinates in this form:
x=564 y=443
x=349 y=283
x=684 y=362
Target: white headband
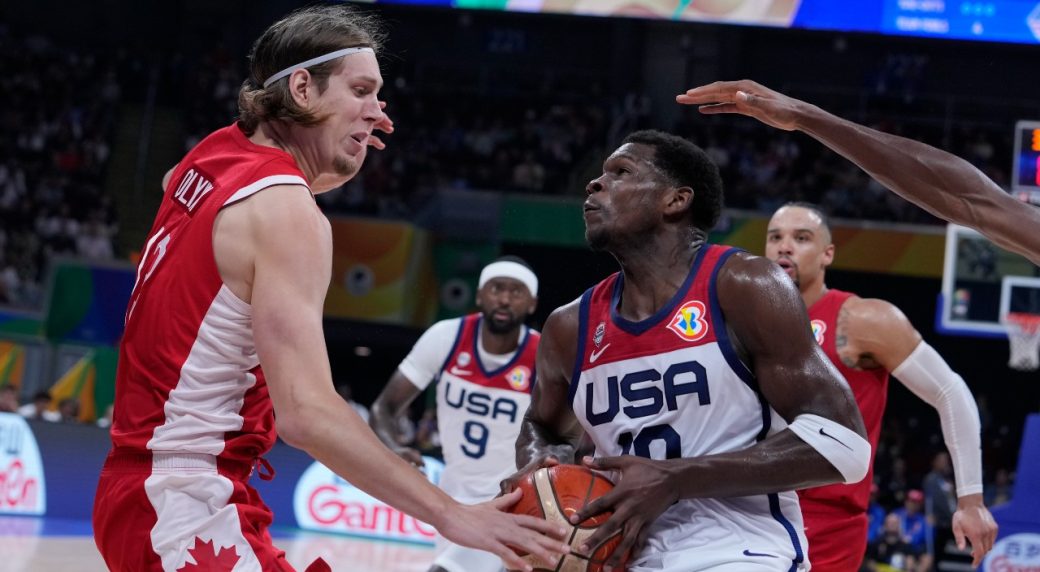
x=509 y=269
x=314 y=62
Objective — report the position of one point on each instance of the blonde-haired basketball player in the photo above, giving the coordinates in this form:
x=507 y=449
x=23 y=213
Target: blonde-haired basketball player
x=234 y=276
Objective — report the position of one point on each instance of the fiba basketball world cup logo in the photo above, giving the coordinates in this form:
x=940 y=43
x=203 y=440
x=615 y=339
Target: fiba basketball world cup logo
x=819 y=327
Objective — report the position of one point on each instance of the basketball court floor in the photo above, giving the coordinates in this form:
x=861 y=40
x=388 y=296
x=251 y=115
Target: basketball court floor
x=31 y=544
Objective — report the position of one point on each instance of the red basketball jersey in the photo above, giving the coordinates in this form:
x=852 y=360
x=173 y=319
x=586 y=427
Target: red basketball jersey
x=188 y=378
x=869 y=386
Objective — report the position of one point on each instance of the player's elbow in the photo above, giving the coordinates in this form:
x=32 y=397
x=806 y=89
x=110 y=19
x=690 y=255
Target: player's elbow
x=297 y=429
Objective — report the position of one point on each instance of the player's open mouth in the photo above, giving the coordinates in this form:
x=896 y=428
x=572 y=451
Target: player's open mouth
x=360 y=137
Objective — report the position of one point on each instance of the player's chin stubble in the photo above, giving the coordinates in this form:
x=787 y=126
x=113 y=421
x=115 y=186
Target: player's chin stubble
x=345 y=167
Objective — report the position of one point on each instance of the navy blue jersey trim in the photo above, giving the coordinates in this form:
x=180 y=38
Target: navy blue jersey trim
x=719 y=322
x=583 y=332
x=519 y=350
x=774 y=509
x=636 y=328
x=729 y=352
x=454 y=346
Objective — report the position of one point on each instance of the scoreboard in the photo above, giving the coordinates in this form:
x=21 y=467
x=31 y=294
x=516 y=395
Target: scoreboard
x=1025 y=182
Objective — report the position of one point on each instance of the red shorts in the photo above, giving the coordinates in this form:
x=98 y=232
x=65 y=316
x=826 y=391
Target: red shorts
x=837 y=539
x=188 y=512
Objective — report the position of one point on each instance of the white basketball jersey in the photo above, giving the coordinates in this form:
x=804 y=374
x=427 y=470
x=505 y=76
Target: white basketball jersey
x=479 y=412
x=672 y=386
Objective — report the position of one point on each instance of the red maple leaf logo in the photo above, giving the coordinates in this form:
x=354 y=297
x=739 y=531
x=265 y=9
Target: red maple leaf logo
x=208 y=560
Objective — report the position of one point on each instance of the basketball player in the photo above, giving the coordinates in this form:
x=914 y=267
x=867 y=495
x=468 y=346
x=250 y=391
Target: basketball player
x=943 y=184
x=234 y=275
x=483 y=365
x=694 y=373
x=867 y=339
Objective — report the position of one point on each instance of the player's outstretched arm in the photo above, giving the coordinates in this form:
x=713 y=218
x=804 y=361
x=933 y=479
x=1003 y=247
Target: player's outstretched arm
x=391 y=404
x=939 y=182
x=290 y=279
x=766 y=314
x=550 y=432
x=882 y=333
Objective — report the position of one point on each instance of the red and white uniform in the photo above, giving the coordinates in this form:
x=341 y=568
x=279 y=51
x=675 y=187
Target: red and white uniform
x=836 y=515
x=192 y=413
x=672 y=386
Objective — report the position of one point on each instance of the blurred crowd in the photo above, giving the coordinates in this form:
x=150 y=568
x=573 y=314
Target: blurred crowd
x=63 y=106
x=58 y=118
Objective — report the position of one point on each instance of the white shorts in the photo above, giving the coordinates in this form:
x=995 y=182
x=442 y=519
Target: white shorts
x=455 y=558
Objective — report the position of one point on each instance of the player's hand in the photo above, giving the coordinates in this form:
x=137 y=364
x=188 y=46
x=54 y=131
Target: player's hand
x=643 y=491
x=973 y=523
x=386 y=125
x=746 y=97
x=485 y=527
x=555 y=455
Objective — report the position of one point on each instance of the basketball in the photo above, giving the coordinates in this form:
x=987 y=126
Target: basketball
x=555 y=493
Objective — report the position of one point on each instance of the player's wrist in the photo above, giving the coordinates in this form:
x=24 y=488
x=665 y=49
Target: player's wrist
x=970 y=501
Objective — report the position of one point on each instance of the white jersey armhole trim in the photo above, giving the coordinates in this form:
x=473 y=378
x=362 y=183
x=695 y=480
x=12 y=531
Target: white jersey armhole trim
x=262 y=184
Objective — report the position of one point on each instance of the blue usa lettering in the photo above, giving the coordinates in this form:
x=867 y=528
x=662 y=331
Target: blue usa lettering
x=645 y=393
x=481 y=404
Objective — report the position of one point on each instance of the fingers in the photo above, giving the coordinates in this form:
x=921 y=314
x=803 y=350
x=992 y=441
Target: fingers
x=508 y=499
x=632 y=533
x=958 y=535
x=717 y=92
x=602 y=534
x=376 y=142
x=598 y=506
x=512 y=560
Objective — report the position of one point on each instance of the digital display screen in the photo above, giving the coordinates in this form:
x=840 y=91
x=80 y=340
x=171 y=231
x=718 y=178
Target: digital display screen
x=1027 y=157
x=988 y=20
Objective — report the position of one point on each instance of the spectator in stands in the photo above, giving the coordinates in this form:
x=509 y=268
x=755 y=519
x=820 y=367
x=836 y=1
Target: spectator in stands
x=999 y=491
x=105 y=420
x=941 y=501
x=68 y=409
x=916 y=530
x=8 y=399
x=39 y=408
x=890 y=552
x=875 y=515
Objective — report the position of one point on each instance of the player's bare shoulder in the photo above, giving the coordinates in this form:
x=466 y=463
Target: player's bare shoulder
x=871 y=331
x=871 y=314
x=746 y=274
x=558 y=347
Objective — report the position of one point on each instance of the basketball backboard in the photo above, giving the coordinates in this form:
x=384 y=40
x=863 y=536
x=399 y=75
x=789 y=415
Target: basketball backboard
x=981 y=284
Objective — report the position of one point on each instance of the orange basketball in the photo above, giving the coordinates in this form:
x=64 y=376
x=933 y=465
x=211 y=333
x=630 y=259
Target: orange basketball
x=555 y=493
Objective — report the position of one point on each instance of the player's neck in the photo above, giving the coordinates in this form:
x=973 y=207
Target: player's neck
x=499 y=344
x=653 y=275
x=813 y=293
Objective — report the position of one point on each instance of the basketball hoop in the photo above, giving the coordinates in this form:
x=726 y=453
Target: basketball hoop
x=1024 y=333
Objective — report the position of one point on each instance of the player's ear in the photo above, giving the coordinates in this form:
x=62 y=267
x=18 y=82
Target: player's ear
x=302 y=88
x=678 y=200
x=532 y=306
x=828 y=255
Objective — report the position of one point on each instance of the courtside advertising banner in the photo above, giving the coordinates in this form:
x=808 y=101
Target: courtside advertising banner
x=1014 y=553
x=325 y=502
x=22 y=487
